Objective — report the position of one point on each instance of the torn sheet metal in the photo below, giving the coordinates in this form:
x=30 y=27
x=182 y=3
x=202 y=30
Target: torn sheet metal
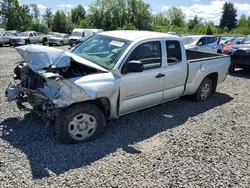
x=40 y=57
x=63 y=92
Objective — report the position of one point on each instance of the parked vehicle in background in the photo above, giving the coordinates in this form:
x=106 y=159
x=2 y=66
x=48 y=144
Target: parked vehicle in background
x=231 y=43
x=12 y=32
x=109 y=75
x=7 y=37
x=44 y=38
x=1 y=42
x=240 y=54
x=27 y=37
x=82 y=33
x=205 y=43
x=2 y=30
x=59 y=39
x=225 y=40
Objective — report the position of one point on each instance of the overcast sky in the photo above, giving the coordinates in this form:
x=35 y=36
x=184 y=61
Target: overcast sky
x=209 y=10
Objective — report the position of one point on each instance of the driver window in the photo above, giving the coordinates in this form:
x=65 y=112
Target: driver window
x=202 y=41
x=148 y=53
x=30 y=35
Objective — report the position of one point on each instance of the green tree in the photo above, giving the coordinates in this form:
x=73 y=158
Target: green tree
x=113 y=14
x=48 y=17
x=229 y=16
x=161 y=19
x=78 y=14
x=209 y=30
x=59 y=22
x=192 y=23
x=242 y=21
x=25 y=18
x=35 y=13
x=9 y=12
x=176 y=17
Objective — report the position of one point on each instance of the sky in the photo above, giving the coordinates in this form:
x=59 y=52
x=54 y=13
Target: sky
x=209 y=10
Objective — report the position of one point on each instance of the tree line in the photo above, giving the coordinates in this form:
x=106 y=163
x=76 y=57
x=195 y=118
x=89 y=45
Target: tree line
x=118 y=14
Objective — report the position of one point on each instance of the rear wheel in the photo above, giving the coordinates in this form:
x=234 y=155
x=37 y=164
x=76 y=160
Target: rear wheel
x=231 y=68
x=204 y=91
x=80 y=123
x=1 y=45
x=50 y=44
x=44 y=42
x=27 y=42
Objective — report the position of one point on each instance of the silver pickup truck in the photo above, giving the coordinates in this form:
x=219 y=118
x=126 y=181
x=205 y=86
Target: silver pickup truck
x=109 y=75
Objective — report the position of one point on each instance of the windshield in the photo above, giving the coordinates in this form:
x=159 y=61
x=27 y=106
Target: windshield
x=239 y=39
x=76 y=34
x=246 y=40
x=190 y=40
x=102 y=50
x=58 y=35
x=51 y=33
x=24 y=34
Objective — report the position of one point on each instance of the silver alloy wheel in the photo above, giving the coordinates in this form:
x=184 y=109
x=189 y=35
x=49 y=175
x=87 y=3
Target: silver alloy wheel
x=205 y=91
x=82 y=126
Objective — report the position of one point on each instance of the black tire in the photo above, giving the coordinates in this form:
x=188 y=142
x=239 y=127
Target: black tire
x=67 y=114
x=50 y=44
x=44 y=42
x=219 y=52
x=61 y=43
x=198 y=96
x=27 y=42
x=10 y=43
x=231 y=69
x=1 y=45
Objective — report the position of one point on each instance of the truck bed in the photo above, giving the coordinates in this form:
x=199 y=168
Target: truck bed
x=194 y=56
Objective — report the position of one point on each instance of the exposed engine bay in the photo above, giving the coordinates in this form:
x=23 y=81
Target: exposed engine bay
x=47 y=87
x=31 y=85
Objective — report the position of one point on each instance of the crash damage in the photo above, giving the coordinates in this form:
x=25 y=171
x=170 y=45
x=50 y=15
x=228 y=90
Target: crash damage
x=51 y=79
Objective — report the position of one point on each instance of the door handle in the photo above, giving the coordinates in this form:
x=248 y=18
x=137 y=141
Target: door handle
x=160 y=75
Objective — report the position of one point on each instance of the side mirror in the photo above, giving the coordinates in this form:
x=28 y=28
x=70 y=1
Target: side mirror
x=200 y=44
x=135 y=66
x=238 y=42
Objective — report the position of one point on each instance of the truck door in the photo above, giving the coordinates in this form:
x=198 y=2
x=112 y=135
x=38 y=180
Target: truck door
x=31 y=38
x=176 y=71
x=209 y=44
x=143 y=89
x=36 y=38
x=212 y=44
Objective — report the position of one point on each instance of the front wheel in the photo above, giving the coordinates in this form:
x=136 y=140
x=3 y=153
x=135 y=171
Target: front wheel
x=231 y=69
x=27 y=42
x=80 y=123
x=204 y=91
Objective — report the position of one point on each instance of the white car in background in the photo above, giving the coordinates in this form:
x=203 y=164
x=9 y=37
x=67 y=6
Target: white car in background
x=205 y=43
x=1 y=41
x=27 y=37
x=59 y=39
x=82 y=34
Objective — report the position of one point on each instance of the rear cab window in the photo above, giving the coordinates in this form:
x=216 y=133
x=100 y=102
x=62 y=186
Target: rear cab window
x=211 y=40
x=149 y=54
x=174 y=54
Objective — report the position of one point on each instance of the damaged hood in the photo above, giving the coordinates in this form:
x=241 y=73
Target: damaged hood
x=40 y=57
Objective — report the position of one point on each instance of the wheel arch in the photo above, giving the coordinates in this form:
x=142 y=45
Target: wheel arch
x=214 y=77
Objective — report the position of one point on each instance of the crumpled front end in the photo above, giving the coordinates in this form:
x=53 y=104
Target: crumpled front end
x=51 y=80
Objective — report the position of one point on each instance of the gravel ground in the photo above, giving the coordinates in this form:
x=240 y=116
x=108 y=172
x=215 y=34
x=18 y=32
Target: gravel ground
x=177 y=144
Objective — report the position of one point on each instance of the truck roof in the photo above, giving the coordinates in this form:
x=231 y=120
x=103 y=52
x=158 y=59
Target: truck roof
x=198 y=36
x=133 y=35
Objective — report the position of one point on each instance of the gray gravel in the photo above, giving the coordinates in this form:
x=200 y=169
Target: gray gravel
x=177 y=144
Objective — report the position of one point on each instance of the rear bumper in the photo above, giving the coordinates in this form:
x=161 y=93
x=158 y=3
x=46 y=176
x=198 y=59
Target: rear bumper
x=240 y=59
